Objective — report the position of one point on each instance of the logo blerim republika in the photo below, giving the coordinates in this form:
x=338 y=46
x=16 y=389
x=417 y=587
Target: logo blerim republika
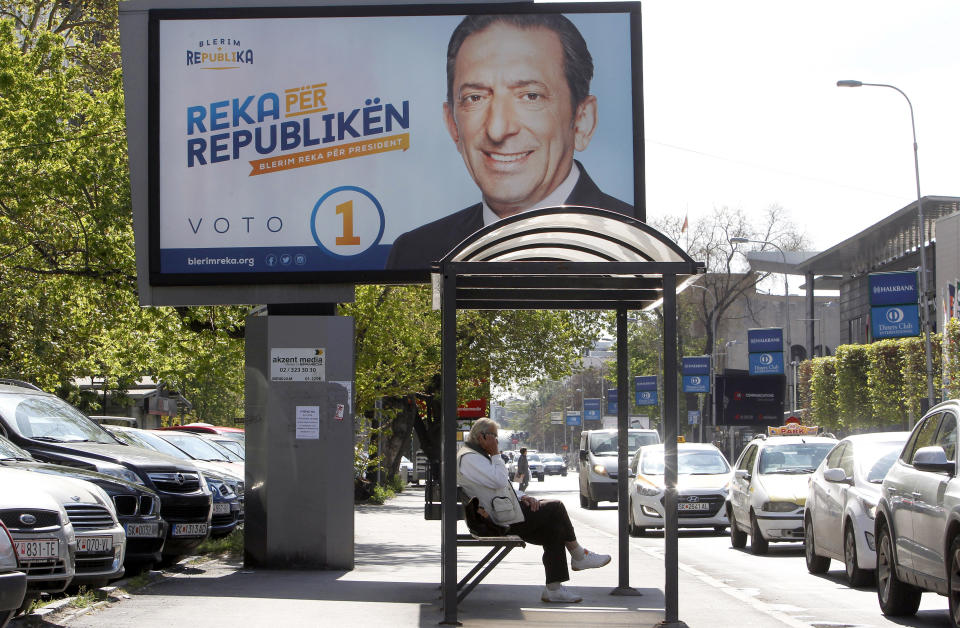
x=219 y=53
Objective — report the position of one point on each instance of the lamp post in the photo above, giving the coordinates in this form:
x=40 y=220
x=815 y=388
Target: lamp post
x=713 y=359
x=786 y=307
x=924 y=315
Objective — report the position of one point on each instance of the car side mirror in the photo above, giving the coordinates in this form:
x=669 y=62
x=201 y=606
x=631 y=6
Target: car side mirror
x=583 y=455
x=836 y=474
x=742 y=474
x=933 y=459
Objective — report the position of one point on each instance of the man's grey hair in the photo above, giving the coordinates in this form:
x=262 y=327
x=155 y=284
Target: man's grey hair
x=481 y=426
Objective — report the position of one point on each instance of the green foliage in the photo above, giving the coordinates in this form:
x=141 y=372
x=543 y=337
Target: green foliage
x=84 y=598
x=397 y=483
x=381 y=494
x=231 y=545
x=823 y=393
x=951 y=351
x=885 y=383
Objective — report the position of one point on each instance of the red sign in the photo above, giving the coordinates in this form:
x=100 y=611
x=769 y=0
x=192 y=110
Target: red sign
x=474 y=409
x=563 y=447
x=794 y=420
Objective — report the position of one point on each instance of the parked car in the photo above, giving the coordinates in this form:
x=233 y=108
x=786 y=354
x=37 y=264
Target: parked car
x=54 y=431
x=702 y=483
x=234 y=447
x=842 y=504
x=236 y=433
x=598 y=462
x=13 y=582
x=224 y=483
x=769 y=489
x=917 y=526
x=137 y=507
x=553 y=464
x=42 y=533
x=406 y=469
x=536 y=466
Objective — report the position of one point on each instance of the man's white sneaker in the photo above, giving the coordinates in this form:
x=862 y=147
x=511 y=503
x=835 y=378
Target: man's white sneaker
x=562 y=595
x=590 y=560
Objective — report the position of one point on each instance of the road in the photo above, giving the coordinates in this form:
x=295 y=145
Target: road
x=777 y=583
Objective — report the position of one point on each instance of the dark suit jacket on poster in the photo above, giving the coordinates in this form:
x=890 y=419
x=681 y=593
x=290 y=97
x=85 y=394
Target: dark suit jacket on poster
x=418 y=248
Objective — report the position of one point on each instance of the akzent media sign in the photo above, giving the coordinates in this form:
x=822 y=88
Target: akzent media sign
x=895 y=321
x=893 y=288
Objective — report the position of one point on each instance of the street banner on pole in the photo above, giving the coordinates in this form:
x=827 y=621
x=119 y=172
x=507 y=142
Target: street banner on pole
x=645 y=390
x=591 y=409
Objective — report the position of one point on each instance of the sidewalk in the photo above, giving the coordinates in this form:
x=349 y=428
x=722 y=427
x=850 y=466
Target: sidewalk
x=396 y=584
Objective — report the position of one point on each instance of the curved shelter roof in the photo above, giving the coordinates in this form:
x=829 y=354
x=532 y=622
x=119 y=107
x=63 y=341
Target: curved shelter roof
x=567 y=257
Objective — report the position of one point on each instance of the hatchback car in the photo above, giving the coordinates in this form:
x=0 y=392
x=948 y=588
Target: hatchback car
x=13 y=582
x=917 y=526
x=553 y=464
x=703 y=476
x=769 y=489
x=842 y=504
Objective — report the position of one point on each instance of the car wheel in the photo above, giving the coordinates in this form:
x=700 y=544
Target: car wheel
x=540 y=478
x=897 y=598
x=758 y=544
x=632 y=528
x=953 y=581
x=856 y=577
x=815 y=562
x=738 y=538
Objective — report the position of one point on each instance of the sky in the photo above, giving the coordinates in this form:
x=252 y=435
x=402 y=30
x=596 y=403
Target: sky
x=742 y=108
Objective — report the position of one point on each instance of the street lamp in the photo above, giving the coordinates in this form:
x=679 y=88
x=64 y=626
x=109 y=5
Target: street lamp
x=786 y=306
x=924 y=317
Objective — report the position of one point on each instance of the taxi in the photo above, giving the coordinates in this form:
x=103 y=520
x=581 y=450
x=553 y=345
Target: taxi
x=768 y=491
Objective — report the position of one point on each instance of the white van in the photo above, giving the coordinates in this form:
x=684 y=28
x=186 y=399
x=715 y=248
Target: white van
x=598 y=462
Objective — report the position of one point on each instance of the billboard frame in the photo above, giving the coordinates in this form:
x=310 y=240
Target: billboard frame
x=258 y=279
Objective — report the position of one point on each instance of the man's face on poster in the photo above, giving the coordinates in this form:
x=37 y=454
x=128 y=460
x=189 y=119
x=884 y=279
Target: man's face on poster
x=512 y=118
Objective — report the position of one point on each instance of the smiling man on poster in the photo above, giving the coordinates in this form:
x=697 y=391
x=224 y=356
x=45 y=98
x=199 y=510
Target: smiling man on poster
x=518 y=107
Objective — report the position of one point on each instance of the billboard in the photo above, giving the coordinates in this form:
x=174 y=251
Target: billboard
x=591 y=409
x=645 y=390
x=573 y=418
x=613 y=404
x=765 y=340
x=696 y=384
x=695 y=365
x=895 y=321
x=893 y=288
x=749 y=400
x=293 y=144
x=766 y=363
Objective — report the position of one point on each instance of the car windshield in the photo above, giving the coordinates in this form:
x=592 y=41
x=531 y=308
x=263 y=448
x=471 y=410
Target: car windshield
x=232 y=446
x=694 y=462
x=146 y=440
x=9 y=451
x=224 y=451
x=193 y=445
x=533 y=458
x=605 y=443
x=793 y=457
x=51 y=419
x=552 y=458
x=877 y=459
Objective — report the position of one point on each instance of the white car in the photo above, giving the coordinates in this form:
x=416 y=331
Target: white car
x=842 y=504
x=769 y=489
x=703 y=476
x=406 y=469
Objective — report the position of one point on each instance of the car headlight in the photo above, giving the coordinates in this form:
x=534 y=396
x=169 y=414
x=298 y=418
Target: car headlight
x=118 y=471
x=599 y=469
x=649 y=491
x=868 y=507
x=219 y=487
x=780 y=506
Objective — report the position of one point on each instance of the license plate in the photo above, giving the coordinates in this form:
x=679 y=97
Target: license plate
x=694 y=506
x=38 y=549
x=189 y=529
x=221 y=508
x=94 y=544
x=141 y=530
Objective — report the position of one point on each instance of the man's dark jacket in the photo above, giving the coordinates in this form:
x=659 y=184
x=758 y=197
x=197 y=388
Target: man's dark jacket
x=422 y=246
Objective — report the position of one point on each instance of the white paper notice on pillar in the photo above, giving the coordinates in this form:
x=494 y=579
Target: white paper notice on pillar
x=308 y=422
x=298 y=365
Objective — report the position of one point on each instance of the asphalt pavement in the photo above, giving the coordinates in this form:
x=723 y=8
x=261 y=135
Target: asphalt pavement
x=396 y=583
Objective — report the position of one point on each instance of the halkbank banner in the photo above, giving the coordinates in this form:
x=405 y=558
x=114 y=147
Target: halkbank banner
x=301 y=140
x=894 y=311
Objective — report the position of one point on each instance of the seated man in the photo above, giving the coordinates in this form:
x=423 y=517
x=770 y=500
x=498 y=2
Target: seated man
x=481 y=474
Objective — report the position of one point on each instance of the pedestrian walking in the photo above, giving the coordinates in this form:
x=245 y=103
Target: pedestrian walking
x=523 y=470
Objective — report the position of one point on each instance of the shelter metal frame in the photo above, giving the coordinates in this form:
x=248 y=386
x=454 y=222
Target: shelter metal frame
x=549 y=283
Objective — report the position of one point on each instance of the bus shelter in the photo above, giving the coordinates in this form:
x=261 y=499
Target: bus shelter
x=566 y=258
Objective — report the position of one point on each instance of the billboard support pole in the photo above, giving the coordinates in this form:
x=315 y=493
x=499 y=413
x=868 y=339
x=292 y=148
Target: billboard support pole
x=623 y=586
